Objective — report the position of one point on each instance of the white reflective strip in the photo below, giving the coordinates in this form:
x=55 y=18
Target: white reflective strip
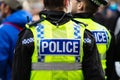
x=103 y=56
x=56 y=66
x=117 y=67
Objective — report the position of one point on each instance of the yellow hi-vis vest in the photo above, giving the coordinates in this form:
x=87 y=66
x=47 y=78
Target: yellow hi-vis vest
x=58 y=51
x=102 y=37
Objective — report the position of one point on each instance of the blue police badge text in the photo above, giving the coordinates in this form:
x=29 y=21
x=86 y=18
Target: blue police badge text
x=100 y=36
x=60 y=47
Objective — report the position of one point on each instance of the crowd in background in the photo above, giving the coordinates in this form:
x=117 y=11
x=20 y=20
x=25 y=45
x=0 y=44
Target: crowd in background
x=106 y=15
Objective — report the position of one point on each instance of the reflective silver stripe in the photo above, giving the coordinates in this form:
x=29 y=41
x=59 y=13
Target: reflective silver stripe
x=56 y=66
x=103 y=56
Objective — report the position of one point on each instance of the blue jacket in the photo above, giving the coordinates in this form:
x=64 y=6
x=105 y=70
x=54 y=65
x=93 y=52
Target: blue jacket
x=8 y=37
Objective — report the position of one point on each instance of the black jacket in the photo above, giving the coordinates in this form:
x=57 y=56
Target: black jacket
x=91 y=65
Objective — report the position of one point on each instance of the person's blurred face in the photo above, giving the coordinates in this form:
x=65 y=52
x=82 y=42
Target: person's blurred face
x=101 y=8
x=4 y=10
x=109 y=13
x=0 y=8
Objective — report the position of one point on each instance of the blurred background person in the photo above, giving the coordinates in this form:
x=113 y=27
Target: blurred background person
x=14 y=21
x=112 y=15
x=26 y=5
x=108 y=15
x=36 y=7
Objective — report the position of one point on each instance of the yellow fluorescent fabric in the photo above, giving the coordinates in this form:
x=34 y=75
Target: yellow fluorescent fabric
x=65 y=32
x=102 y=47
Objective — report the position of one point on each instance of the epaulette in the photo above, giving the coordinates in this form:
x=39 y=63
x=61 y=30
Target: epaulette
x=78 y=22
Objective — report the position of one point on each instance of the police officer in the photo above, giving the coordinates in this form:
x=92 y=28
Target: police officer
x=83 y=11
x=56 y=48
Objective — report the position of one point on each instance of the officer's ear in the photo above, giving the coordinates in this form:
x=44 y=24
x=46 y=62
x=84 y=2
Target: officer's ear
x=80 y=6
x=68 y=5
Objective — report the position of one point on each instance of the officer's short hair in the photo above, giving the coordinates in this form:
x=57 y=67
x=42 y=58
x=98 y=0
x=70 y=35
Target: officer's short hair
x=51 y=4
x=90 y=7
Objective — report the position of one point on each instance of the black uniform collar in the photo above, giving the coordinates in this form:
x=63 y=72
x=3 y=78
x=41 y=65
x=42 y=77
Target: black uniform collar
x=83 y=15
x=57 y=17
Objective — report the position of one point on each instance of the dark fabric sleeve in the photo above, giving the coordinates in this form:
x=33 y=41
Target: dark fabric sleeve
x=92 y=68
x=117 y=55
x=111 y=57
x=22 y=57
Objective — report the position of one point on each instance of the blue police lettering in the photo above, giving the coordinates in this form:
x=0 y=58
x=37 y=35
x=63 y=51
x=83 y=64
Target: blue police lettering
x=60 y=47
x=100 y=36
x=53 y=46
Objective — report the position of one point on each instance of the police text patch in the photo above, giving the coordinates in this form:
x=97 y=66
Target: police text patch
x=59 y=47
x=100 y=36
